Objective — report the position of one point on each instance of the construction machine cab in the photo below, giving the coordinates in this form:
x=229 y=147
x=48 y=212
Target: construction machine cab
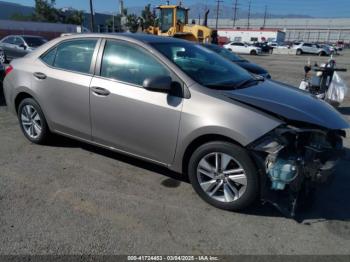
x=172 y=16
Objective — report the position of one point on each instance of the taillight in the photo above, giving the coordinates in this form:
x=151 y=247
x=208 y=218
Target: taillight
x=8 y=70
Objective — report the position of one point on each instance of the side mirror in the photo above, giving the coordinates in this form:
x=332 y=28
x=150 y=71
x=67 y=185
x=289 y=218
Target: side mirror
x=23 y=46
x=158 y=83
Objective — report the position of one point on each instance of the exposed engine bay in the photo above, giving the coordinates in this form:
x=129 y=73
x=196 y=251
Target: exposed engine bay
x=293 y=161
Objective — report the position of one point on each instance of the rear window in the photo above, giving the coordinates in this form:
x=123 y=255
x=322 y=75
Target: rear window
x=34 y=41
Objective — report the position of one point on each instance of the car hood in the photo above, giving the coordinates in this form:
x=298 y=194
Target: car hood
x=253 y=68
x=289 y=103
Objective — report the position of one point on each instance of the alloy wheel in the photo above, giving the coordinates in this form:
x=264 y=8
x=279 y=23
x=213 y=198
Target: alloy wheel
x=31 y=121
x=2 y=58
x=221 y=177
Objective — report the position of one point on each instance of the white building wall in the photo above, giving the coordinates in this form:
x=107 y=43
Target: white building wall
x=251 y=36
x=306 y=29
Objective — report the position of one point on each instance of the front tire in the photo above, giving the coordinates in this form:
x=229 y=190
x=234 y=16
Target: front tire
x=32 y=121
x=224 y=175
x=299 y=52
x=253 y=52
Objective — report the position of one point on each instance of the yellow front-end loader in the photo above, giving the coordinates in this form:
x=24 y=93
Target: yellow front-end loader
x=173 y=22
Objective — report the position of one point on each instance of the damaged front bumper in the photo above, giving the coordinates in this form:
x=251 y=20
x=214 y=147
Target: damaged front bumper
x=292 y=161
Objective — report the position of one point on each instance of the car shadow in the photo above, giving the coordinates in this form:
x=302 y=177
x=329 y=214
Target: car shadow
x=60 y=141
x=2 y=96
x=330 y=201
x=344 y=110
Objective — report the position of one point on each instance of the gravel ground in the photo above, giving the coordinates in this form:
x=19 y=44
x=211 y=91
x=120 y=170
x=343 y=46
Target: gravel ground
x=73 y=198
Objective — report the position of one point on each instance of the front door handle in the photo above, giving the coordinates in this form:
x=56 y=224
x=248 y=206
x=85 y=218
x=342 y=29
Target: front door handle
x=39 y=75
x=100 y=91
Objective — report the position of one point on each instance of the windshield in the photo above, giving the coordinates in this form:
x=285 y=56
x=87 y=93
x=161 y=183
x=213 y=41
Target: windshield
x=166 y=19
x=225 y=53
x=204 y=66
x=34 y=41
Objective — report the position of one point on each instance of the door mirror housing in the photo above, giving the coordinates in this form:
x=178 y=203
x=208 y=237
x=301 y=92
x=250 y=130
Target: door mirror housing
x=23 y=46
x=158 y=83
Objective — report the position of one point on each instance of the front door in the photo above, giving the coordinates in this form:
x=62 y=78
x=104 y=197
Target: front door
x=128 y=117
x=19 y=48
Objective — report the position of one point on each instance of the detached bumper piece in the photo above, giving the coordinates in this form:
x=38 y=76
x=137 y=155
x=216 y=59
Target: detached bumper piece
x=293 y=161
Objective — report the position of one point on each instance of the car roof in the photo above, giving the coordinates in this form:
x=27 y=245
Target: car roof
x=141 y=37
x=35 y=36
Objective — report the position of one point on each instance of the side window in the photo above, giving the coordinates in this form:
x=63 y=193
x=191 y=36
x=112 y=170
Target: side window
x=18 y=41
x=130 y=64
x=49 y=57
x=9 y=40
x=74 y=55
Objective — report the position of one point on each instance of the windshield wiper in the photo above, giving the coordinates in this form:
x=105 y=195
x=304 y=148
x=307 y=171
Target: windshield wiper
x=249 y=82
x=230 y=85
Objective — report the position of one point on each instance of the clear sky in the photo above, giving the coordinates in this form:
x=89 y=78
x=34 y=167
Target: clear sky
x=318 y=8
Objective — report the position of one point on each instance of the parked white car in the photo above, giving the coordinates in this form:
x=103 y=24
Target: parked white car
x=242 y=48
x=308 y=48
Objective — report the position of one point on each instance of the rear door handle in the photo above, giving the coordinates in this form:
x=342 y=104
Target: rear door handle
x=100 y=91
x=39 y=75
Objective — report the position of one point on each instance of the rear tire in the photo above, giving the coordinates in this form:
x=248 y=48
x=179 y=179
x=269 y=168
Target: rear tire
x=32 y=121
x=233 y=176
x=2 y=58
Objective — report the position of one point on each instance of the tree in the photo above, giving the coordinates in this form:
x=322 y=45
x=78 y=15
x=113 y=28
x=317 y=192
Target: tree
x=148 y=17
x=132 y=23
x=74 y=17
x=45 y=11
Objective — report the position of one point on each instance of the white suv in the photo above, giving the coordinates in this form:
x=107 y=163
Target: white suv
x=242 y=48
x=307 y=48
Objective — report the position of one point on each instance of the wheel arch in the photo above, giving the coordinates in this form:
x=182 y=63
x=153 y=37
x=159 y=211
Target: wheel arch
x=20 y=97
x=201 y=140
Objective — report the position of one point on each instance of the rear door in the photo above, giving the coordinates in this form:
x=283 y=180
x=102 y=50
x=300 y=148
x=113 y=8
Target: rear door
x=63 y=78
x=128 y=117
x=8 y=46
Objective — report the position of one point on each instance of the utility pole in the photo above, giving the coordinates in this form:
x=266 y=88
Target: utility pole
x=265 y=16
x=235 y=9
x=92 y=17
x=250 y=3
x=218 y=2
